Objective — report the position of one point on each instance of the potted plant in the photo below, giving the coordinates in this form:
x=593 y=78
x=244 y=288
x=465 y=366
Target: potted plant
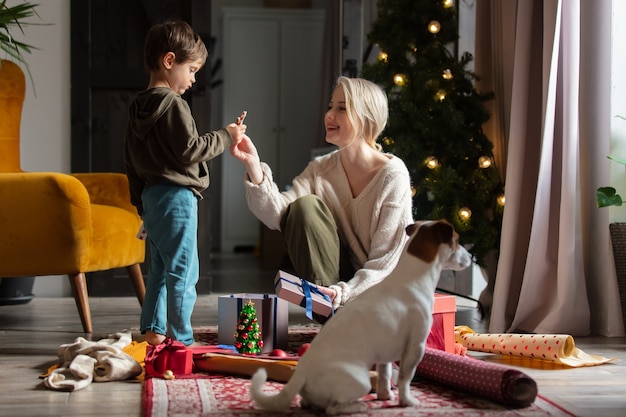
x=15 y=290
x=607 y=196
x=14 y=18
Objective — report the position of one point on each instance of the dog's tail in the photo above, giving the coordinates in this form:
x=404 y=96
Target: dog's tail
x=277 y=402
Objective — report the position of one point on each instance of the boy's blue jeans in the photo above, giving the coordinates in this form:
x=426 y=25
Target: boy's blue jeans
x=171 y=221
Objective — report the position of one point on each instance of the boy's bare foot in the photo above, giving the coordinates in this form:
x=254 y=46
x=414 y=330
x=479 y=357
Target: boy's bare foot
x=154 y=338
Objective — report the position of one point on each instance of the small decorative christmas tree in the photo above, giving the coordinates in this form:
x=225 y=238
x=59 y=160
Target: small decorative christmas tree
x=248 y=336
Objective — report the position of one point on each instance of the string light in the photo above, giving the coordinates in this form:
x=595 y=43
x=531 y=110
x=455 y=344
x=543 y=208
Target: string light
x=382 y=56
x=440 y=95
x=501 y=199
x=484 y=162
x=448 y=3
x=447 y=74
x=465 y=213
x=399 y=80
x=388 y=141
x=434 y=26
x=431 y=162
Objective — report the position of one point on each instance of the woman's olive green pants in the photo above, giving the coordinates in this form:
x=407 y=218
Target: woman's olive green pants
x=313 y=243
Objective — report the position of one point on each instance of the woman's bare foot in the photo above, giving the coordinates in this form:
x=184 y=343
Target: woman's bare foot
x=154 y=338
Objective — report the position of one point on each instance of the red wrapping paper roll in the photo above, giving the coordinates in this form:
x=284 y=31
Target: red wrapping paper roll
x=495 y=382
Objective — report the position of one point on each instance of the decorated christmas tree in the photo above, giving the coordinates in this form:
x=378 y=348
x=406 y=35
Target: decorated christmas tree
x=436 y=118
x=248 y=338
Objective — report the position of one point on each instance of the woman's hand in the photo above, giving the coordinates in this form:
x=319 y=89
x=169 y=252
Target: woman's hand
x=246 y=152
x=331 y=293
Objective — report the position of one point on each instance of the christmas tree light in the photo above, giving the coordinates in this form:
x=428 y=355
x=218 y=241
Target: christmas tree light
x=434 y=26
x=484 y=162
x=431 y=162
x=399 y=80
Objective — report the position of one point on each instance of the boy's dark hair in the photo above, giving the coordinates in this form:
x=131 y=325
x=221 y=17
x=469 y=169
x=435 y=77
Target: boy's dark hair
x=172 y=36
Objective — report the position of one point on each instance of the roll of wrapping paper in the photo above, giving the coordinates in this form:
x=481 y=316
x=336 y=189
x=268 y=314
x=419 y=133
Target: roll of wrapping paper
x=233 y=364
x=492 y=381
x=558 y=348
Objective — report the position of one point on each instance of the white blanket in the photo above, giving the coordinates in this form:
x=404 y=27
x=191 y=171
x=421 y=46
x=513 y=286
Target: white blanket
x=85 y=361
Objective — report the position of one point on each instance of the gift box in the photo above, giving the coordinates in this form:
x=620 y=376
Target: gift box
x=171 y=358
x=442 y=331
x=272 y=314
x=303 y=293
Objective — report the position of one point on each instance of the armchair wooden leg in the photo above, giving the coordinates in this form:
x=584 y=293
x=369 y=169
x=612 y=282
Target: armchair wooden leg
x=136 y=278
x=79 y=289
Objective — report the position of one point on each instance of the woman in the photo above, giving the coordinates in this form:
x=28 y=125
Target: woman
x=344 y=217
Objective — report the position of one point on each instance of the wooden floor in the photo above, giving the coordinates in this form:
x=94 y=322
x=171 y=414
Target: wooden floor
x=31 y=333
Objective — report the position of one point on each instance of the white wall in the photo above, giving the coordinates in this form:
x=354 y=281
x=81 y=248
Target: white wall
x=467 y=30
x=45 y=128
x=618 y=107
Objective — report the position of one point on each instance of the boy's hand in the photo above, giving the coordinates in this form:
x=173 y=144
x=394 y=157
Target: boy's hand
x=237 y=132
x=241 y=118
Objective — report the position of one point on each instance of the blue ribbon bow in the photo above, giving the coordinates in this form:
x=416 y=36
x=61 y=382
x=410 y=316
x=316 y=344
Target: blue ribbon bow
x=307 y=289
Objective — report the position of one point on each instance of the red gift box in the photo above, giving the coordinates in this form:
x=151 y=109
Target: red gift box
x=171 y=356
x=442 y=331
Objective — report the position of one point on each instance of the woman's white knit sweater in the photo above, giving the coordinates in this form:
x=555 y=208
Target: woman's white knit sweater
x=372 y=225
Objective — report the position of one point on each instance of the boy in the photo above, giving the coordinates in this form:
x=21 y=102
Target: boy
x=166 y=165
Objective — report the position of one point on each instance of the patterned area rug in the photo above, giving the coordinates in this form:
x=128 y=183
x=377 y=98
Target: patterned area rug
x=228 y=397
x=208 y=395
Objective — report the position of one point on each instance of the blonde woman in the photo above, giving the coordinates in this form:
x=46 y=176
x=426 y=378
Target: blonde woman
x=343 y=218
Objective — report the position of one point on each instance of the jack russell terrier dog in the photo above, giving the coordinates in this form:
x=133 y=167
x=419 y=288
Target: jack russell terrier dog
x=388 y=322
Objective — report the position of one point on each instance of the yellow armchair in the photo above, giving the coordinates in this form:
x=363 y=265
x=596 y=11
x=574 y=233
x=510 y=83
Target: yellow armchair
x=56 y=224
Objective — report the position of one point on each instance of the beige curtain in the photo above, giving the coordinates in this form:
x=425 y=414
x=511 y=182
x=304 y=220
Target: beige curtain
x=555 y=272
x=495 y=40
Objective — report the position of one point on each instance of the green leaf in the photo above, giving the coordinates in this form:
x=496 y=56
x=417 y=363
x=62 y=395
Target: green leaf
x=607 y=196
x=12 y=19
x=618 y=160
